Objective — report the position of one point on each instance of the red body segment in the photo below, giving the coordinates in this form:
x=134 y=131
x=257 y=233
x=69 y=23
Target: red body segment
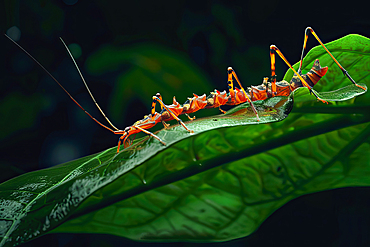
x=195 y=104
x=236 y=96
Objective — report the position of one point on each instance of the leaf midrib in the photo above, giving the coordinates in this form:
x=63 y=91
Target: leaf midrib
x=300 y=134
x=345 y=151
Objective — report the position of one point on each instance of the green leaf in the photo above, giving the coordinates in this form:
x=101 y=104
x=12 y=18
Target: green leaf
x=243 y=174
x=43 y=199
x=352 y=52
x=217 y=184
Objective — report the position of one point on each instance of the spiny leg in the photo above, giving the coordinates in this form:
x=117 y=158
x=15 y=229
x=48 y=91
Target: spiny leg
x=122 y=139
x=232 y=73
x=273 y=74
x=150 y=133
x=166 y=125
x=190 y=118
x=265 y=83
x=309 y=29
x=221 y=110
x=160 y=97
x=230 y=84
x=155 y=98
x=274 y=48
x=154 y=102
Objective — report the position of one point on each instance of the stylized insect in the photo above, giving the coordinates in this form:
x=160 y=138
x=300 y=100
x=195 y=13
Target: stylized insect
x=235 y=96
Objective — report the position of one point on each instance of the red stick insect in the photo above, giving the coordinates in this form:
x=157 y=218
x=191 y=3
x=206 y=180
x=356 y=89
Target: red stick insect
x=235 y=96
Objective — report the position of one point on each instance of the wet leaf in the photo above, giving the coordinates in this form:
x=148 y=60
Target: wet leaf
x=217 y=184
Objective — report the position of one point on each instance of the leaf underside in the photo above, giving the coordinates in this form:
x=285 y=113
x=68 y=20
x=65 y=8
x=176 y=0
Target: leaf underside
x=217 y=184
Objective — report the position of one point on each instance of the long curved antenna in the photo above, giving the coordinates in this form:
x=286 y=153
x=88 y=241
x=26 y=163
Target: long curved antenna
x=83 y=79
x=34 y=59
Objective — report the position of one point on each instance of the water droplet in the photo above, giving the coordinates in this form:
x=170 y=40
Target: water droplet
x=200 y=164
x=144 y=181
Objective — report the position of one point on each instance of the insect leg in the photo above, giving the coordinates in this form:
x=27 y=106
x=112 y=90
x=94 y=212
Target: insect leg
x=150 y=133
x=309 y=29
x=160 y=97
x=190 y=118
x=273 y=74
x=154 y=103
x=274 y=48
x=232 y=73
x=155 y=98
x=230 y=84
x=121 y=139
x=304 y=48
x=221 y=110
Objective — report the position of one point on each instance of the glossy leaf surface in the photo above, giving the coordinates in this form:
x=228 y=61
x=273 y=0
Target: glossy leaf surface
x=218 y=184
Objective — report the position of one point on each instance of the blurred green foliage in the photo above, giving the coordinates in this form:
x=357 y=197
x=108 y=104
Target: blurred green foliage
x=217 y=184
x=151 y=68
x=213 y=35
x=20 y=117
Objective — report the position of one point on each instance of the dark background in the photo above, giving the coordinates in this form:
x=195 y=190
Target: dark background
x=41 y=126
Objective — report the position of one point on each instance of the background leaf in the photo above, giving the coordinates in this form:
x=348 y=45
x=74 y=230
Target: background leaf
x=144 y=67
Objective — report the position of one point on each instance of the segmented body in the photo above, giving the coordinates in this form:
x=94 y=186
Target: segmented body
x=235 y=96
x=261 y=92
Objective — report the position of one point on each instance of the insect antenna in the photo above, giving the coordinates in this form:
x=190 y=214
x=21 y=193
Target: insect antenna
x=34 y=59
x=83 y=79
